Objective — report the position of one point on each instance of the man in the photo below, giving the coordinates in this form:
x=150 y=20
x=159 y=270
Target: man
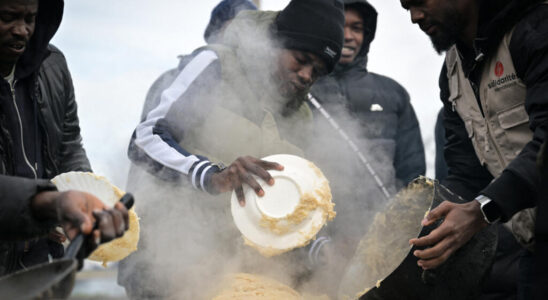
x=221 y=16
x=39 y=132
x=380 y=104
x=232 y=104
x=493 y=86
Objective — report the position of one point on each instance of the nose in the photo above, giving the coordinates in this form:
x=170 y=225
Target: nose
x=348 y=34
x=305 y=74
x=416 y=15
x=21 y=28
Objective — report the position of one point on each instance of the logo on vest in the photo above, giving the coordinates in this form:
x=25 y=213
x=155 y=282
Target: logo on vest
x=503 y=82
x=499 y=69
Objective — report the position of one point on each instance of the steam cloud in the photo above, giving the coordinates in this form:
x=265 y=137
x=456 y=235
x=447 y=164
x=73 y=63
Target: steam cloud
x=188 y=239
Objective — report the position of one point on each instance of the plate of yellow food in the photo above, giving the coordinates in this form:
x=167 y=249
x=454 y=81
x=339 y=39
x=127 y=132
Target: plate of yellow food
x=290 y=213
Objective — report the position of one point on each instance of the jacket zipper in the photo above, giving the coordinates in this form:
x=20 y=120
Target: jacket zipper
x=34 y=172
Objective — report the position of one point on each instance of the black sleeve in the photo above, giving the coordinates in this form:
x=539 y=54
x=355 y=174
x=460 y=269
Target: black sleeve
x=466 y=176
x=73 y=155
x=439 y=137
x=16 y=219
x=409 y=160
x=517 y=186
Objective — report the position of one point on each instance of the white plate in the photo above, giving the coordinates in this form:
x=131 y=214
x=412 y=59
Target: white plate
x=291 y=212
x=101 y=188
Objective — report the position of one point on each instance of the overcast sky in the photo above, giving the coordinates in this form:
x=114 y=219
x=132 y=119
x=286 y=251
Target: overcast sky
x=116 y=49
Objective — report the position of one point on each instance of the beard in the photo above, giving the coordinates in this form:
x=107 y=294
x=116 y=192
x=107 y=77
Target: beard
x=448 y=31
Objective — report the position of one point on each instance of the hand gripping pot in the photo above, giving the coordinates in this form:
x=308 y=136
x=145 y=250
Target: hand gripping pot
x=98 y=186
x=384 y=267
x=290 y=213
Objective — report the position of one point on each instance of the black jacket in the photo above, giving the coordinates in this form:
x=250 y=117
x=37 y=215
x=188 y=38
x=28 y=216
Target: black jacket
x=16 y=219
x=516 y=188
x=380 y=105
x=45 y=97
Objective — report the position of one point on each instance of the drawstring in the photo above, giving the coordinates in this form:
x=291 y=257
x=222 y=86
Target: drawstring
x=352 y=145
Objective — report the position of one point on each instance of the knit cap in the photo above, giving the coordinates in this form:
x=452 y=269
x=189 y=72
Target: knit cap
x=315 y=26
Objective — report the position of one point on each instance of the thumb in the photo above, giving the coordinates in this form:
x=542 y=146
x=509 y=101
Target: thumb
x=85 y=222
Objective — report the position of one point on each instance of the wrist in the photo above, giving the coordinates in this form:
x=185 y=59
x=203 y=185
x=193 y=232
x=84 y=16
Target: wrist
x=488 y=208
x=43 y=205
x=209 y=183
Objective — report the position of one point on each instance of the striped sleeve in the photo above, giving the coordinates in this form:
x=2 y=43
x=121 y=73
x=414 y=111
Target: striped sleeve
x=155 y=142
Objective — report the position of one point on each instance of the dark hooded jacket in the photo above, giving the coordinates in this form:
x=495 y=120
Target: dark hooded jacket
x=388 y=123
x=44 y=97
x=516 y=187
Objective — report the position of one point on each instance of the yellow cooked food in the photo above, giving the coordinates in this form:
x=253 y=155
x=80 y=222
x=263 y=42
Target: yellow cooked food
x=242 y=286
x=320 y=199
x=119 y=248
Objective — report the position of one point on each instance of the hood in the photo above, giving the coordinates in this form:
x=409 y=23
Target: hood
x=497 y=17
x=369 y=15
x=50 y=13
x=225 y=11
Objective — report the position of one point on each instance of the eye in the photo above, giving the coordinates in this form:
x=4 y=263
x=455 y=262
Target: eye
x=31 y=19
x=357 y=28
x=301 y=60
x=5 y=17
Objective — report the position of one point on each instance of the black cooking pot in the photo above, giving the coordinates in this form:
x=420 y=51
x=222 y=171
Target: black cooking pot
x=384 y=266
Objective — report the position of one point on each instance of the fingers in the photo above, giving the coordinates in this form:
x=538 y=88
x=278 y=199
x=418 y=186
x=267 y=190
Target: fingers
x=259 y=170
x=246 y=177
x=238 y=189
x=437 y=213
x=241 y=172
x=435 y=236
x=110 y=223
x=123 y=210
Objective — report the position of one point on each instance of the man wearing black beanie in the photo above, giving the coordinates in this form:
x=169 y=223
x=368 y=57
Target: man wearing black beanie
x=297 y=29
x=232 y=104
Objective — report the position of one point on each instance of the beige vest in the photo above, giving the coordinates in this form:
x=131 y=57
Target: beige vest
x=502 y=131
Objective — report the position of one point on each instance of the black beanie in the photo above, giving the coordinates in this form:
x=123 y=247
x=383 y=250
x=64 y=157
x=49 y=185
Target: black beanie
x=315 y=26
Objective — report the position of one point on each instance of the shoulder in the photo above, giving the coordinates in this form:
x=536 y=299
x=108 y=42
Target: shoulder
x=529 y=43
x=389 y=84
x=55 y=59
x=531 y=32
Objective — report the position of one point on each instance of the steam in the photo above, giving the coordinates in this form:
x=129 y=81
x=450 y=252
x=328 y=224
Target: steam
x=189 y=241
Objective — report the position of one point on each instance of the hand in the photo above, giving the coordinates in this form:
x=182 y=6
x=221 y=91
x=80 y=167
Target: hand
x=240 y=172
x=57 y=236
x=461 y=222
x=77 y=212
